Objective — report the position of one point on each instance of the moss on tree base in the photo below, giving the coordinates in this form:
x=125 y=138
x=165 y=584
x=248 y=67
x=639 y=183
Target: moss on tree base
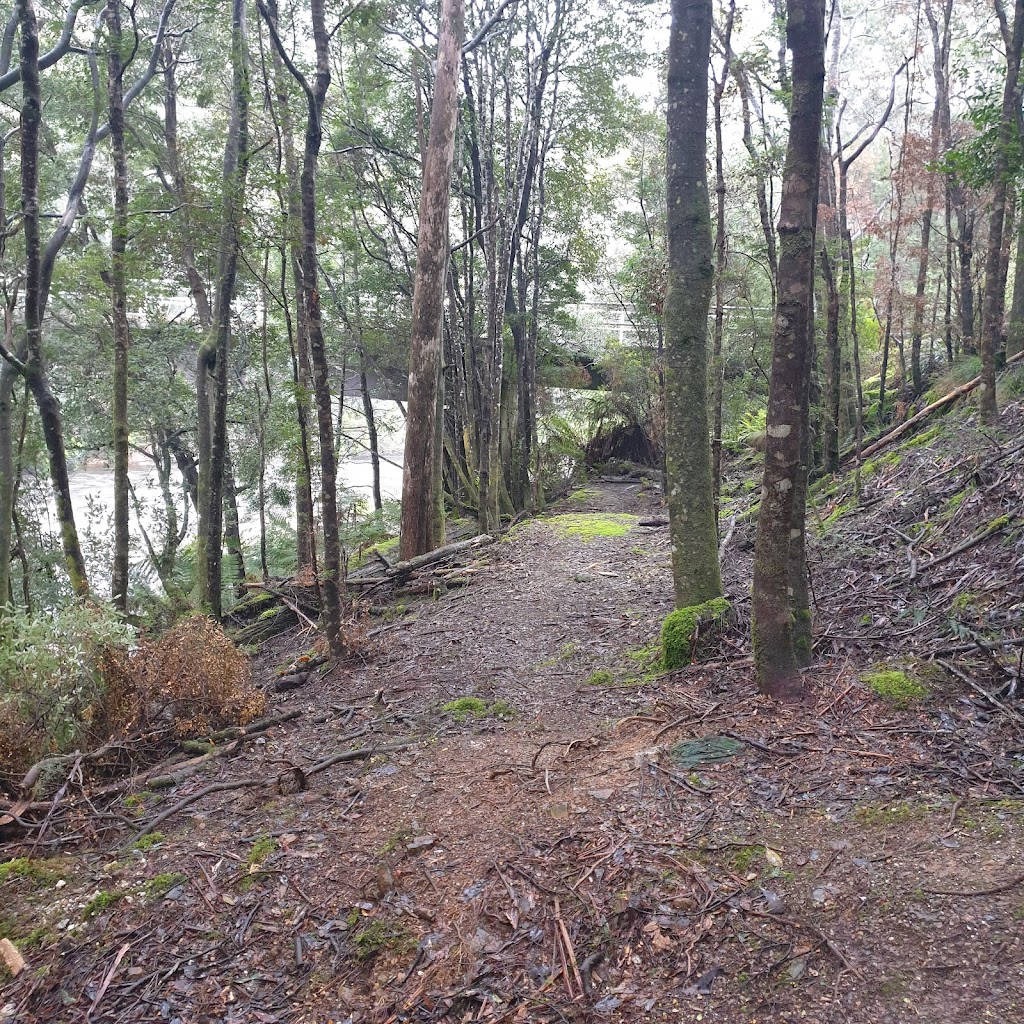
x=687 y=630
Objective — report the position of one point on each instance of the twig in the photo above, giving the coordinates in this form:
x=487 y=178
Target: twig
x=824 y=939
x=997 y=527
x=964 y=677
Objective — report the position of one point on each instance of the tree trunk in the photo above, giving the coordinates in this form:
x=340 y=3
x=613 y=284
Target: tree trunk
x=332 y=581
x=994 y=287
x=119 y=306
x=773 y=613
x=34 y=366
x=305 y=533
x=717 y=368
x=419 y=522
x=689 y=485
x=1015 y=327
x=212 y=365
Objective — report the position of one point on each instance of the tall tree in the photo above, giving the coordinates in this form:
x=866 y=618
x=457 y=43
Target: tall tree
x=33 y=368
x=689 y=484
x=332 y=581
x=995 y=294
x=776 y=601
x=119 y=304
x=422 y=527
x=212 y=363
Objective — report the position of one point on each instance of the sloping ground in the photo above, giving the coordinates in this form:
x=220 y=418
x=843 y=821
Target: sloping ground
x=602 y=843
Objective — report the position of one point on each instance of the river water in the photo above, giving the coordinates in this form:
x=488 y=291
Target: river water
x=92 y=487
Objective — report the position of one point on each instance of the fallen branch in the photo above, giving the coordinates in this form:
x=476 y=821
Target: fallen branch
x=997 y=527
x=223 y=787
x=992 y=891
x=822 y=937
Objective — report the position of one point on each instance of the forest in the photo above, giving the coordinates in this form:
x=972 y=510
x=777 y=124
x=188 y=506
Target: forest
x=511 y=510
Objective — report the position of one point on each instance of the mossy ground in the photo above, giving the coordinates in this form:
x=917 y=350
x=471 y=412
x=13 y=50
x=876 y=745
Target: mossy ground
x=895 y=686
x=590 y=526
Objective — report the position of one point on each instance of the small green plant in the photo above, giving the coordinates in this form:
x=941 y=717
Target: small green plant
x=601 y=677
x=895 y=686
x=263 y=848
x=38 y=872
x=746 y=857
x=591 y=526
x=103 y=900
x=463 y=708
x=54 y=691
x=160 y=885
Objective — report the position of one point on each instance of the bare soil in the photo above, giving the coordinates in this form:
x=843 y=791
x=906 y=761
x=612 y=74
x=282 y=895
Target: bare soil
x=559 y=858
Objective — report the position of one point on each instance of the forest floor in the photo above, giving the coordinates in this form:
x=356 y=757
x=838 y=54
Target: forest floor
x=570 y=854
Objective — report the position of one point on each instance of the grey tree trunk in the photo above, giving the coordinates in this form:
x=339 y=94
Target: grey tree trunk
x=419 y=522
x=782 y=497
x=689 y=484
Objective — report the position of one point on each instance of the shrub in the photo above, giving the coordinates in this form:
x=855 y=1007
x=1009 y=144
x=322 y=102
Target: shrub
x=53 y=694
x=193 y=676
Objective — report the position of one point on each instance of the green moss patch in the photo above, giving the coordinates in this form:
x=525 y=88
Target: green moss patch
x=160 y=885
x=895 y=686
x=602 y=677
x=380 y=935
x=463 y=708
x=683 y=628
x=589 y=526
x=37 y=872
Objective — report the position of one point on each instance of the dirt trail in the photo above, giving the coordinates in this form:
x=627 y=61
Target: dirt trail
x=551 y=860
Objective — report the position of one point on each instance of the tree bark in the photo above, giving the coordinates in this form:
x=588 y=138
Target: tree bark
x=717 y=368
x=419 y=522
x=690 y=485
x=780 y=514
x=994 y=289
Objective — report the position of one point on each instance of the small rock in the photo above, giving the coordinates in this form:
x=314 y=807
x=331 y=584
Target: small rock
x=601 y=794
x=797 y=968
x=421 y=843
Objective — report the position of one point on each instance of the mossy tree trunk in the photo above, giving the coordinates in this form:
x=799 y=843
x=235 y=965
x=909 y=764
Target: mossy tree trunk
x=689 y=483
x=783 y=492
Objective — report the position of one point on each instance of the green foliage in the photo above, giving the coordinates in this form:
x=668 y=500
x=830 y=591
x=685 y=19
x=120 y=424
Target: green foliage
x=148 y=841
x=37 y=872
x=680 y=630
x=601 y=677
x=103 y=900
x=52 y=686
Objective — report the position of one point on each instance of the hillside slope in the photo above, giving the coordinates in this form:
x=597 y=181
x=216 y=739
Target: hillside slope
x=569 y=834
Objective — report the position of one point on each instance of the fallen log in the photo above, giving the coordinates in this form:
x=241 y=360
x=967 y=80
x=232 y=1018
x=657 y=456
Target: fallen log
x=897 y=432
x=399 y=571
